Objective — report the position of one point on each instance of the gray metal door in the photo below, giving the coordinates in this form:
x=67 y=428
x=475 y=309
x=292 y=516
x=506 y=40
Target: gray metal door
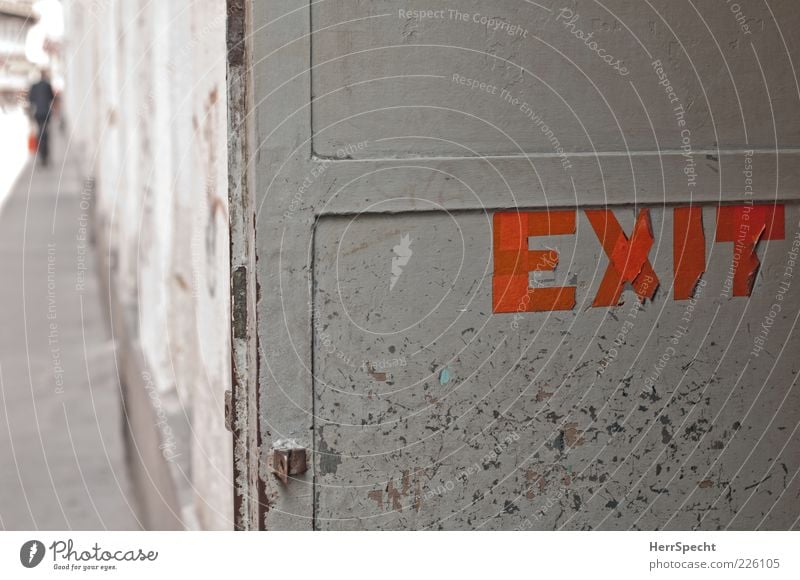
x=515 y=265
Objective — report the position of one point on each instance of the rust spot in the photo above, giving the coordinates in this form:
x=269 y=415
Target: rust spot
x=377 y=496
x=406 y=482
x=394 y=497
x=572 y=436
x=534 y=479
x=376 y=375
x=706 y=483
x=542 y=395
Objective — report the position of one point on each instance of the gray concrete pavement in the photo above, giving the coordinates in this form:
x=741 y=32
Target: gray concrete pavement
x=62 y=457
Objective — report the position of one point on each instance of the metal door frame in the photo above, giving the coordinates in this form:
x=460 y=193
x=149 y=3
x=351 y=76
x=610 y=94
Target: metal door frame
x=269 y=56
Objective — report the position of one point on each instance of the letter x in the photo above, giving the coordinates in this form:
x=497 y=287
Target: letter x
x=628 y=259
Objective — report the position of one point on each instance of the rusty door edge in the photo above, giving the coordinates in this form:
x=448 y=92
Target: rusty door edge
x=249 y=497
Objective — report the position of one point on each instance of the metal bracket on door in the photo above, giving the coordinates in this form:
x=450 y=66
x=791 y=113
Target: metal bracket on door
x=288 y=461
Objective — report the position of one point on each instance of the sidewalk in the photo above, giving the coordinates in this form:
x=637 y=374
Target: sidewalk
x=61 y=424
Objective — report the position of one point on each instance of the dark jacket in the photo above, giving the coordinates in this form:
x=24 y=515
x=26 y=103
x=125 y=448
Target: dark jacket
x=41 y=98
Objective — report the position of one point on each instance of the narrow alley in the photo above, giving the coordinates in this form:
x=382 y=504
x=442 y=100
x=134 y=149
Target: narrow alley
x=61 y=425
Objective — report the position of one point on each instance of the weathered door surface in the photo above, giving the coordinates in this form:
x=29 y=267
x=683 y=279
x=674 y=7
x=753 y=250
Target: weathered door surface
x=526 y=264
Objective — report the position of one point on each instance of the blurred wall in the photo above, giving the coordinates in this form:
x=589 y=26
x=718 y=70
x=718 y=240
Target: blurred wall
x=145 y=99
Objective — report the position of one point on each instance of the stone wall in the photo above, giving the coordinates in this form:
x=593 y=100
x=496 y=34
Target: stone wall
x=145 y=100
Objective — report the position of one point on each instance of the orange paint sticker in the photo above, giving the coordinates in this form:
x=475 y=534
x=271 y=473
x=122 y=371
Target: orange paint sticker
x=513 y=261
x=688 y=250
x=745 y=226
x=628 y=258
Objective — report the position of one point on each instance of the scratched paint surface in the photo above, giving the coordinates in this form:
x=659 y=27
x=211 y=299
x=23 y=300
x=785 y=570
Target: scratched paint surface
x=606 y=418
x=425 y=400
x=377 y=66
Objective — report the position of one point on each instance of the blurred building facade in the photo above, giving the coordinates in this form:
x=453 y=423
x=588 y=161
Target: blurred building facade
x=149 y=117
x=146 y=103
x=16 y=20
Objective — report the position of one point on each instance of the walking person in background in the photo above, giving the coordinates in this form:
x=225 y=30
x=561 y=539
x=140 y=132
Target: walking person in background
x=40 y=98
